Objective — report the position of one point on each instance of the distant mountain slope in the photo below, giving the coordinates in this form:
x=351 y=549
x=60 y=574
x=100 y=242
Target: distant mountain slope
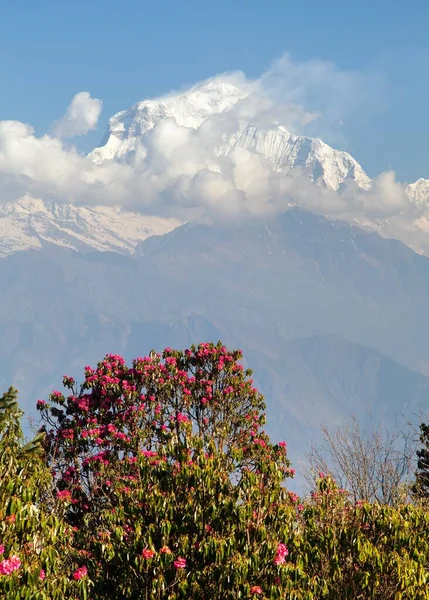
x=332 y=319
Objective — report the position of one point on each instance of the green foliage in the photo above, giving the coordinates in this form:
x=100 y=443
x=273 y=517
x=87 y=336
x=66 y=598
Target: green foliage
x=157 y=481
x=421 y=485
x=32 y=530
x=363 y=550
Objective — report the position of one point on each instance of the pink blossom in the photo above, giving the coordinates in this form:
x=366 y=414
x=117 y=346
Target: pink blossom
x=260 y=442
x=67 y=433
x=180 y=563
x=64 y=495
x=281 y=554
x=148 y=453
x=182 y=418
x=80 y=572
x=293 y=496
x=147 y=553
x=83 y=404
x=42 y=574
x=9 y=565
x=256 y=589
x=1 y=548
x=165 y=550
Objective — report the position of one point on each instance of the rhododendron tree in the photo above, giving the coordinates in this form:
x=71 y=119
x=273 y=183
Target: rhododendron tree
x=166 y=463
x=37 y=560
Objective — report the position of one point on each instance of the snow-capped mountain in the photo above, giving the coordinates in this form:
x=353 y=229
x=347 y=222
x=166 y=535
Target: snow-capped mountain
x=418 y=192
x=193 y=109
x=29 y=223
x=220 y=112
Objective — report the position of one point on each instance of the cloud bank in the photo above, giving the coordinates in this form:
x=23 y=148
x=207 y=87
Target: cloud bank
x=179 y=169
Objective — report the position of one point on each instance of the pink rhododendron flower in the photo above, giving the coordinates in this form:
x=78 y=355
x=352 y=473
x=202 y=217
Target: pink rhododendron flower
x=293 y=496
x=256 y=589
x=148 y=453
x=42 y=574
x=80 y=572
x=147 y=553
x=165 y=550
x=64 y=494
x=9 y=565
x=282 y=552
x=180 y=563
x=182 y=418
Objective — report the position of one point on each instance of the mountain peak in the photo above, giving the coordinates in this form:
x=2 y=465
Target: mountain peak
x=218 y=98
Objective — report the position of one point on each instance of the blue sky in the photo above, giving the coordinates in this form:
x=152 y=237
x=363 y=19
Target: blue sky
x=126 y=51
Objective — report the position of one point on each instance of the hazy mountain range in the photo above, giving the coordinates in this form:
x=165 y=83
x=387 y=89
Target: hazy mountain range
x=331 y=316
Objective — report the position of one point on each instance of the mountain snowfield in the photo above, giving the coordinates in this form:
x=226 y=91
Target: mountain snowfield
x=31 y=222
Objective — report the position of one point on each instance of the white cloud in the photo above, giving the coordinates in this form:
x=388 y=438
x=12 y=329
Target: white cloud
x=81 y=116
x=181 y=171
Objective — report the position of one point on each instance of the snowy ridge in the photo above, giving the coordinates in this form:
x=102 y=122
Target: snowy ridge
x=419 y=192
x=286 y=151
x=29 y=223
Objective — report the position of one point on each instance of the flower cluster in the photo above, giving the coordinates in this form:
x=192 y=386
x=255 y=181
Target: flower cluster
x=9 y=565
x=80 y=573
x=256 y=590
x=281 y=554
x=180 y=563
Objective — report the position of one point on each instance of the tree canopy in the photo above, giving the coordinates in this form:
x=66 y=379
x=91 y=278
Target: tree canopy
x=156 y=480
